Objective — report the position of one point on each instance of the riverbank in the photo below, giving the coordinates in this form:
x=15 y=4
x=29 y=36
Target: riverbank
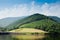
x=25 y=31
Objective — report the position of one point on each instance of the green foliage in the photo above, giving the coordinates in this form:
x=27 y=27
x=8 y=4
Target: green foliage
x=45 y=24
x=54 y=28
x=2 y=29
x=37 y=21
x=26 y=20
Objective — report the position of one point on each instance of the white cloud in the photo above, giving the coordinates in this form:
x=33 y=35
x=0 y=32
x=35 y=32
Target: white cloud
x=15 y=11
x=24 y=10
x=51 y=10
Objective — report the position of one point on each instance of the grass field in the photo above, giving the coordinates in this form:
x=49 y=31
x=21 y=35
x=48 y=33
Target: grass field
x=28 y=30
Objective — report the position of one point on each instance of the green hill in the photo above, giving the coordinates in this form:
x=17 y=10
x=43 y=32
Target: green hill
x=45 y=24
x=37 y=21
x=28 y=19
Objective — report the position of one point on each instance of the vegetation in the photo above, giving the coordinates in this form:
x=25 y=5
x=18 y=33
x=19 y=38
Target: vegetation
x=2 y=29
x=28 y=30
x=36 y=21
x=45 y=24
x=29 y=19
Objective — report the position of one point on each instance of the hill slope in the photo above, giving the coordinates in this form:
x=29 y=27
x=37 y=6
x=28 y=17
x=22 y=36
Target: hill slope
x=37 y=21
x=45 y=24
x=40 y=23
x=28 y=19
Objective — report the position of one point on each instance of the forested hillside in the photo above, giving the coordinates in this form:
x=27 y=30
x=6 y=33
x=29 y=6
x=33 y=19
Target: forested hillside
x=37 y=21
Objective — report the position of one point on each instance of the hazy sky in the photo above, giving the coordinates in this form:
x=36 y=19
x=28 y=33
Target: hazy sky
x=16 y=8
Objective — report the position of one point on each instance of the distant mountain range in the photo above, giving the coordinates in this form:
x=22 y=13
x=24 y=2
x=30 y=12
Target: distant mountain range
x=6 y=21
x=55 y=18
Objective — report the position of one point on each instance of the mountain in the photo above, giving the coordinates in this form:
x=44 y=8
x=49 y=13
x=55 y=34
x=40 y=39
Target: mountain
x=28 y=19
x=34 y=21
x=6 y=21
x=37 y=21
x=55 y=18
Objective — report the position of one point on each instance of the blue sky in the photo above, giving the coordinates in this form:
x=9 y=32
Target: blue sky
x=10 y=3
x=16 y=8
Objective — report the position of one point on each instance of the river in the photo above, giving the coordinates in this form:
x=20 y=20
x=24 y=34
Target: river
x=29 y=37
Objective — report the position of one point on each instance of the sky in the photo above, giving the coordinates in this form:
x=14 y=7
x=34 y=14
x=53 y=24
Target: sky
x=18 y=8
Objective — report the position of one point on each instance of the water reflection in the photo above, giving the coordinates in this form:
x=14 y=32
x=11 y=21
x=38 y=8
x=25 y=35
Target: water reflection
x=52 y=37
x=5 y=37
x=29 y=37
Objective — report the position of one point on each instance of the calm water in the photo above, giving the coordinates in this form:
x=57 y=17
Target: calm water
x=29 y=37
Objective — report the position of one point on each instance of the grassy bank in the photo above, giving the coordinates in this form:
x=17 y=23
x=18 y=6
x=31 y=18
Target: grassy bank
x=28 y=31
